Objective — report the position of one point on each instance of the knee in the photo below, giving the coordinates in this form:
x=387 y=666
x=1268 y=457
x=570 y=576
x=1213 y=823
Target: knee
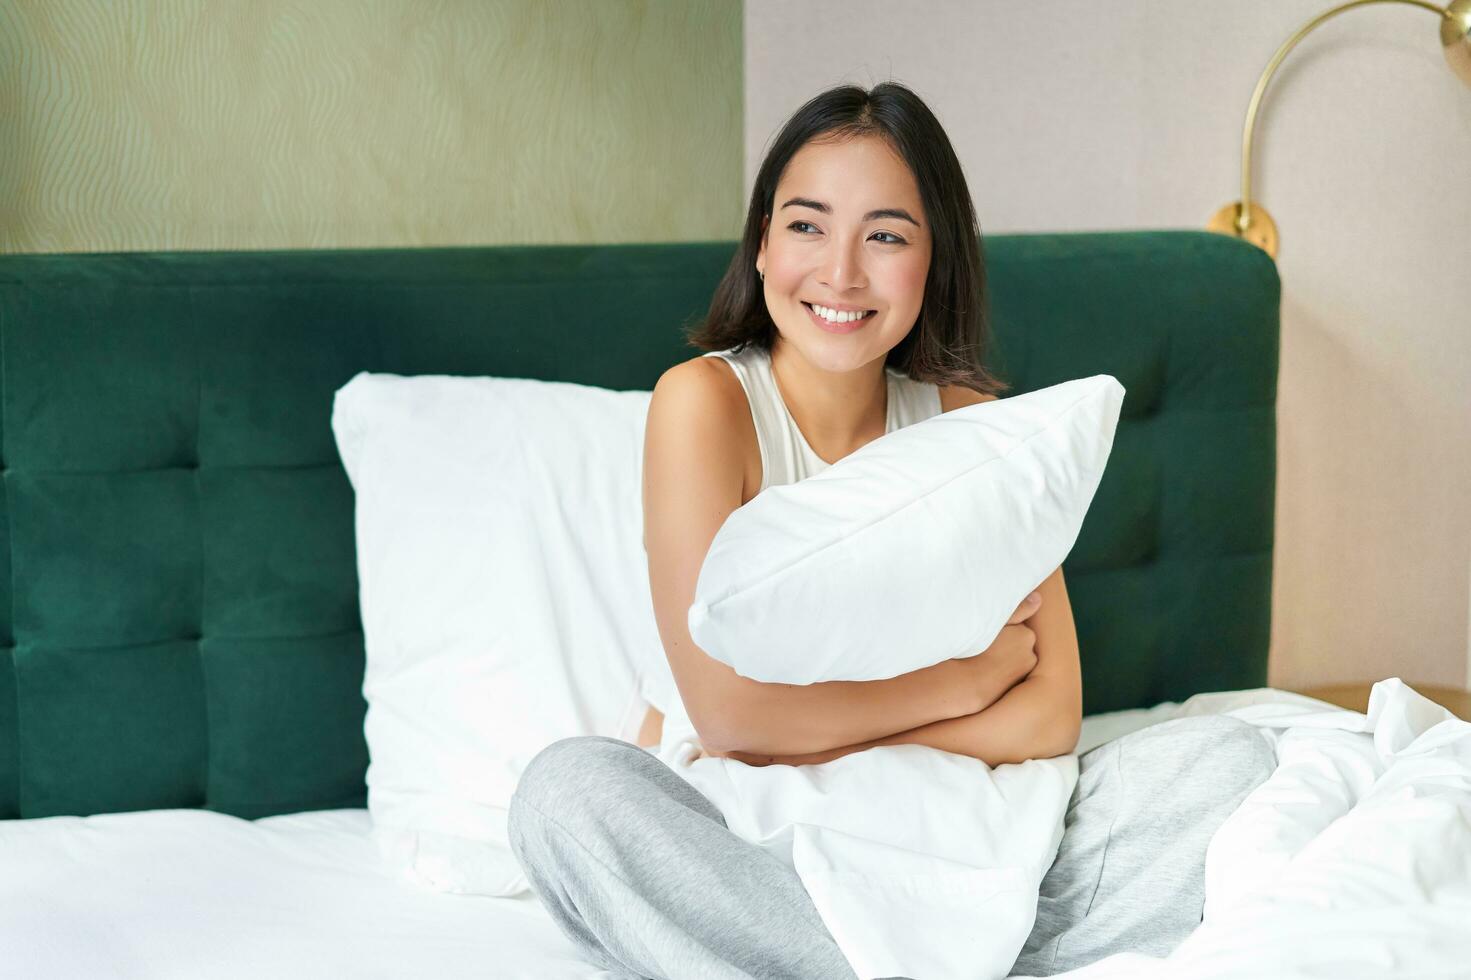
x=1230 y=747
x=1187 y=760
x=1226 y=754
x=565 y=773
x=1247 y=757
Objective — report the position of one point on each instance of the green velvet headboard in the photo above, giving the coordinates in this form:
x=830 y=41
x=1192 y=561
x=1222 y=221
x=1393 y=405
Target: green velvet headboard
x=178 y=589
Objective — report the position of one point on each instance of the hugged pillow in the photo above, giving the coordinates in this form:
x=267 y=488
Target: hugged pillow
x=915 y=548
x=505 y=600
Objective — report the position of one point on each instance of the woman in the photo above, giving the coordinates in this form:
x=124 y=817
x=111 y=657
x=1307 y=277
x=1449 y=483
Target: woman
x=861 y=205
x=854 y=306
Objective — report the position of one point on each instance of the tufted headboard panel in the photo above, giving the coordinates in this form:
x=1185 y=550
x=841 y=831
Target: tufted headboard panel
x=178 y=594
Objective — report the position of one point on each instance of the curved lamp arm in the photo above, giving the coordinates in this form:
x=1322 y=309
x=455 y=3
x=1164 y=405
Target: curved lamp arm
x=1246 y=220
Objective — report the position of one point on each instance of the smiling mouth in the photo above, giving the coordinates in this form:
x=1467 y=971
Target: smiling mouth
x=837 y=323
x=838 y=326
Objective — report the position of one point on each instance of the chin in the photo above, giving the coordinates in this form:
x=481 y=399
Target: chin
x=843 y=354
x=838 y=354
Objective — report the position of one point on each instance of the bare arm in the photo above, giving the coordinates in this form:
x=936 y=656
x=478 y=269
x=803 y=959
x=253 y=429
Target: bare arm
x=797 y=718
x=693 y=475
x=992 y=678
x=1039 y=718
x=1027 y=723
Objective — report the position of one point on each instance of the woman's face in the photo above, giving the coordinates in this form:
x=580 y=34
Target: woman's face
x=846 y=230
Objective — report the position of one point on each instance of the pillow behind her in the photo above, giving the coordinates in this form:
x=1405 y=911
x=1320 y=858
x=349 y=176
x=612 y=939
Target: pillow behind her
x=505 y=599
x=915 y=548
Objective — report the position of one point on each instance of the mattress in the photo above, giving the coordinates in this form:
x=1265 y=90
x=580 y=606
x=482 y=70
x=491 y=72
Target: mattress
x=1380 y=887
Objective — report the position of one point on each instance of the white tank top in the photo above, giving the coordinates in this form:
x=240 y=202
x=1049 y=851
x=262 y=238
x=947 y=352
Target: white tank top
x=786 y=456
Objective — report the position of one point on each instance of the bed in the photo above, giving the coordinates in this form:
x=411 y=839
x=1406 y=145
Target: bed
x=181 y=715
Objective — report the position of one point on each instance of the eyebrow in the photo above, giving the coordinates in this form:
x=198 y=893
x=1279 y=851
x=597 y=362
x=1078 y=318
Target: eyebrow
x=899 y=213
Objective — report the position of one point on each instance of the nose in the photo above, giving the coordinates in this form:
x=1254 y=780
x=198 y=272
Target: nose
x=842 y=267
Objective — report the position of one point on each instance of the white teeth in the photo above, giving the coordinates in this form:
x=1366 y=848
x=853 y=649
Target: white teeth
x=833 y=316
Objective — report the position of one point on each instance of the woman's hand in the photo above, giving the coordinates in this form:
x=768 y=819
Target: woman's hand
x=1009 y=658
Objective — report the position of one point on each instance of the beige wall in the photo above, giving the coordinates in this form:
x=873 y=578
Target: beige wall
x=1085 y=116
x=189 y=124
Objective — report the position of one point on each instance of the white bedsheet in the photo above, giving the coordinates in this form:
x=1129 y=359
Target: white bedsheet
x=196 y=895
x=1352 y=861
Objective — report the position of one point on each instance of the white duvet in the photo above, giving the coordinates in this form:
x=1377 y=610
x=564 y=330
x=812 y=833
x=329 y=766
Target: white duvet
x=1352 y=860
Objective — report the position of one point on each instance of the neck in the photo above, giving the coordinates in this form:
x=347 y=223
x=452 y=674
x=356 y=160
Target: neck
x=836 y=411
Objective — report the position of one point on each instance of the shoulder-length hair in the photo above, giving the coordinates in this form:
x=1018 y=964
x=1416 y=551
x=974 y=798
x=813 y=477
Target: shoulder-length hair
x=948 y=342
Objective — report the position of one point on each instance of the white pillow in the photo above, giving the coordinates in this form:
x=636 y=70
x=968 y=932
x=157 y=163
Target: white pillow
x=914 y=549
x=505 y=599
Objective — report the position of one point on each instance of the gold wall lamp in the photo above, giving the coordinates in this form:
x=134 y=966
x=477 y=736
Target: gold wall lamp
x=1249 y=220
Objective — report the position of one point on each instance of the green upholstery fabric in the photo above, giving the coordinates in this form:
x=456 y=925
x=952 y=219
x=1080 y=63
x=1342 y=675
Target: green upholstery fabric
x=179 y=623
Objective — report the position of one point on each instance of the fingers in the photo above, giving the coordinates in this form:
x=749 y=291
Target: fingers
x=1029 y=606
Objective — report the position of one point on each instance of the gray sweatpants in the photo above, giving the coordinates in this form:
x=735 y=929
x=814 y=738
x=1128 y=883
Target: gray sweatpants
x=639 y=869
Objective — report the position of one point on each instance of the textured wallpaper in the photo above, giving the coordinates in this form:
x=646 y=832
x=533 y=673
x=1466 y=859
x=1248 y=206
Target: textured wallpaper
x=184 y=124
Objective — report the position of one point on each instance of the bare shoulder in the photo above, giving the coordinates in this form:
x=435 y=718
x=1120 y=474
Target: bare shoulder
x=699 y=405
x=959 y=396
x=706 y=380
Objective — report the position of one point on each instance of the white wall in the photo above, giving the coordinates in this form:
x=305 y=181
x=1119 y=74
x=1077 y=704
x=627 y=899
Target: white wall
x=1086 y=116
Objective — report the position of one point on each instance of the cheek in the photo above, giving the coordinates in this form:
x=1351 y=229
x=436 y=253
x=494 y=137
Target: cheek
x=907 y=279
x=783 y=274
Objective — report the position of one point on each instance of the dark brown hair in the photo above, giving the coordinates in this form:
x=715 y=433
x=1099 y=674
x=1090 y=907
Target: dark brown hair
x=948 y=341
